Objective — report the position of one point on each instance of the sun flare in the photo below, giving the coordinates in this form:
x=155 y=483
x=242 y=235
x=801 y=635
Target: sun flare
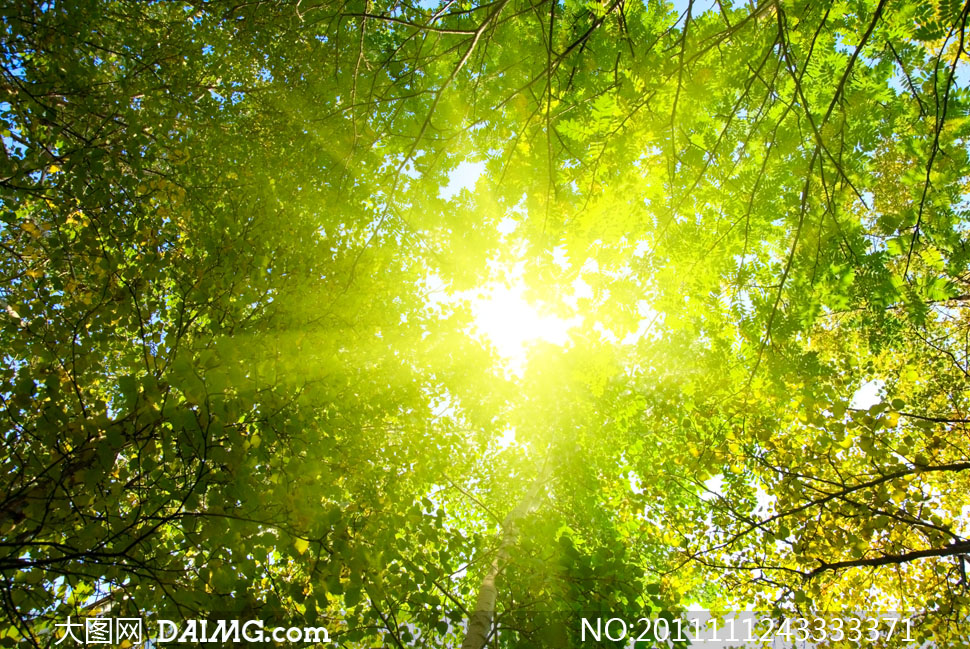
x=511 y=323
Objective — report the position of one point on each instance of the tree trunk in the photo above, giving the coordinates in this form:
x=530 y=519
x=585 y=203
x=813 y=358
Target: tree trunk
x=480 y=620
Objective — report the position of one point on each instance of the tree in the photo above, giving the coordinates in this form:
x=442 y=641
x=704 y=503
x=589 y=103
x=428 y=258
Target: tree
x=226 y=391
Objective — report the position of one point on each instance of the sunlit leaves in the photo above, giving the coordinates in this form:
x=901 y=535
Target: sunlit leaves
x=226 y=386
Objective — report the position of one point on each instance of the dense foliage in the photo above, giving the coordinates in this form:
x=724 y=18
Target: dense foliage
x=230 y=388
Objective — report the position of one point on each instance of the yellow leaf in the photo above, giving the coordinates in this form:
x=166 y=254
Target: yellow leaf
x=301 y=545
x=76 y=217
x=30 y=229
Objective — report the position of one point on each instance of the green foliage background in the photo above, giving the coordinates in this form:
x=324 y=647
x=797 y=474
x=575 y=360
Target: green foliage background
x=225 y=390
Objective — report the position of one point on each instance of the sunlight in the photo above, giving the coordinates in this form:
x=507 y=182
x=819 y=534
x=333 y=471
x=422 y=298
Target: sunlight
x=510 y=323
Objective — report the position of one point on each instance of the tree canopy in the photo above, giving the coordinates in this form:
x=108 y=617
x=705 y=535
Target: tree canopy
x=241 y=373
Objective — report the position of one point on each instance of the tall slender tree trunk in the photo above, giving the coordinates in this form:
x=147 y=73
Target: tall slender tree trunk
x=480 y=620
